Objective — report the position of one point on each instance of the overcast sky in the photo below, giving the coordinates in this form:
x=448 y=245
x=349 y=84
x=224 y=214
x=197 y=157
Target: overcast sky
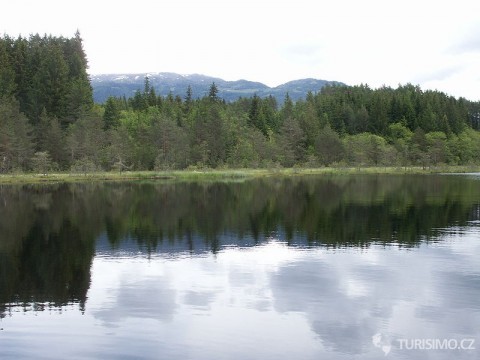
x=435 y=44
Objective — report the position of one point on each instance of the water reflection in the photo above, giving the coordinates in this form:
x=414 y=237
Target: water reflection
x=271 y=268
x=270 y=301
x=49 y=233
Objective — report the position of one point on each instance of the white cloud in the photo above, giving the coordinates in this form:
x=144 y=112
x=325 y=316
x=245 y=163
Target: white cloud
x=375 y=42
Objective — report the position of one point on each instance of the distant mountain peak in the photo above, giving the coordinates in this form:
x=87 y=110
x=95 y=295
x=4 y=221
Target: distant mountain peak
x=105 y=85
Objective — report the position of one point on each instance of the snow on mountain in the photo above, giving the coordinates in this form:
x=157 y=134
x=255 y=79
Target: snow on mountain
x=105 y=85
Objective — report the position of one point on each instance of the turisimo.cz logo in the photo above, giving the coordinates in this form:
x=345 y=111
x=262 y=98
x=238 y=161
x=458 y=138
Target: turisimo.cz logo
x=379 y=341
x=436 y=344
x=382 y=342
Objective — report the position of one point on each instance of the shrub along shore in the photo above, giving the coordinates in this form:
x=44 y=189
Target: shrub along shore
x=224 y=174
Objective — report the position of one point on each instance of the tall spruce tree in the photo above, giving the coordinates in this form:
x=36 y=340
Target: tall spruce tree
x=7 y=71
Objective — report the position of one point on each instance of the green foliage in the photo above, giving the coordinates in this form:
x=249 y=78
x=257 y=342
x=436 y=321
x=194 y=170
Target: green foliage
x=170 y=143
x=111 y=116
x=437 y=147
x=398 y=131
x=256 y=118
x=42 y=162
x=16 y=139
x=51 y=138
x=86 y=140
x=46 y=73
x=118 y=149
x=252 y=150
x=366 y=149
x=465 y=148
x=329 y=147
x=213 y=92
x=46 y=107
x=83 y=166
x=7 y=71
x=292 y=143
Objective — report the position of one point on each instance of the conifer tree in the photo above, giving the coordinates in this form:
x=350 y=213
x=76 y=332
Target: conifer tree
x=213 y=92
x=7 y=72
x=111 y=116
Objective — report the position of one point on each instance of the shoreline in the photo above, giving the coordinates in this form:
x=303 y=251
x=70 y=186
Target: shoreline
x=225 y=174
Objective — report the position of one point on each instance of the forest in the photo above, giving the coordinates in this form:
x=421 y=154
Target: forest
x=49 y=122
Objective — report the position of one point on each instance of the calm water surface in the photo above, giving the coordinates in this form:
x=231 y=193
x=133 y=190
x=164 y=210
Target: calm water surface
x=345 y=267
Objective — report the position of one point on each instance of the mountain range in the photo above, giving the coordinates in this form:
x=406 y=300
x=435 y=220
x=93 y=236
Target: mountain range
x=119 y=85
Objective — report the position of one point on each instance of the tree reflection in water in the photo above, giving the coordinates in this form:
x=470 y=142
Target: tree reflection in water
x=48 y=233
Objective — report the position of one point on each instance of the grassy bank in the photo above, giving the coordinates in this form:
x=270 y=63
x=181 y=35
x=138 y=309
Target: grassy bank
x=221 y=174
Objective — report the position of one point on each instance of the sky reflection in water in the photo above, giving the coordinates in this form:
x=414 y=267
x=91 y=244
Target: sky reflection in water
x=270 y=301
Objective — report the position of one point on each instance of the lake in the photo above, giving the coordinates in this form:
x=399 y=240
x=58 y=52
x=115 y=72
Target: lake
x=310 y=267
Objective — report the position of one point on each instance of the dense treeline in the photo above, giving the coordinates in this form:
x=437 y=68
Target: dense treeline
x=46 y=75
x=44 y=90
x=48 y=121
